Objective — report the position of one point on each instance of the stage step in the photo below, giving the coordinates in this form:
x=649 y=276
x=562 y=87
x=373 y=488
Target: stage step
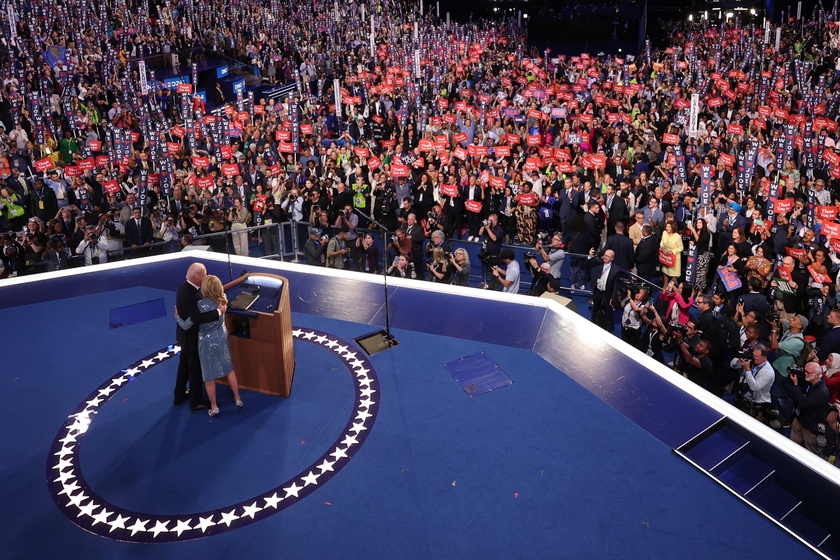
x=765 y=478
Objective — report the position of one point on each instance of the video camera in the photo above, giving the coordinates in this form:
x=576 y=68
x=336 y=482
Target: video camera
x=798 y=371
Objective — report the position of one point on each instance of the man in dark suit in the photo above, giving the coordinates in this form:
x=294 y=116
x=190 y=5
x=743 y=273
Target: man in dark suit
x=616 y=210
x=622 y=246
x=189 y=367
x=138 y=230
x=253 y=177
x=604 y=275
x=647 y=254
x=591 y=221
x=754 y=300
x=830 y=342
x=568 y=202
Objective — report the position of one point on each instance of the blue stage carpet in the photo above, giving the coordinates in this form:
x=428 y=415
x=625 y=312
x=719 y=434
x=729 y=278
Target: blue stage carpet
x=538 y=469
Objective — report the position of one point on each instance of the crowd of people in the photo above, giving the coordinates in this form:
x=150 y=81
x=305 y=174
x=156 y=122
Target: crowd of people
x=702 y=172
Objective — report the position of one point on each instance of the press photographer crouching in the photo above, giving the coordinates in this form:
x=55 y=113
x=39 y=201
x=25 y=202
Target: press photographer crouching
x=752 y=394
x=810 y=397
x=541 y=278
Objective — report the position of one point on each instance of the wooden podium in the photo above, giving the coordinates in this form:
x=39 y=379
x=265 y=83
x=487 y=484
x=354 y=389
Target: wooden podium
x=261 y=342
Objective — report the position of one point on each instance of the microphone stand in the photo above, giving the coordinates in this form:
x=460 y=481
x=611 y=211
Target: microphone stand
x=380 y=340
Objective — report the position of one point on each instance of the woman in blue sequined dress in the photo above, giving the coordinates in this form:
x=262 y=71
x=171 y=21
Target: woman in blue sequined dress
x=213 y=345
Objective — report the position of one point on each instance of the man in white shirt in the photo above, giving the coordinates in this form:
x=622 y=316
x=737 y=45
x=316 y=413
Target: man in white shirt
x=509 y=277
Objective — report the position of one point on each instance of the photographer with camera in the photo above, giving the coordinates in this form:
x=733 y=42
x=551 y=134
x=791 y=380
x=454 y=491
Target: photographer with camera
x=349 y=220
x=293 y=205
x=631 y=318
x=540 y=276
x=555 y=255
x=788 y=348
x=93 y=246
x=491 y=247
x=337 y=252
x=756 y=379
x=460 y=261
x=315 y=248
x=810 y=397
x=698 y=363
x=508 y=277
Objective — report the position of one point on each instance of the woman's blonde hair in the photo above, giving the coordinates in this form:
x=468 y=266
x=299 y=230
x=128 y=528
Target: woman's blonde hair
x=212 y=288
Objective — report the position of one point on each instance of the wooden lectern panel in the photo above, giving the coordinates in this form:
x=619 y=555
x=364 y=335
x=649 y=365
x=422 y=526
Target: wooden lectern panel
x=261 y=342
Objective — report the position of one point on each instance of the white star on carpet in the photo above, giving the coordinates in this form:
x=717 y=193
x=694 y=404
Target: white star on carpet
x=64 y=451
x=63 y=464
x=297 y=333
x=366 y=403
x=367 y=392
x=69 y=488
x=326 y=466
x=363 y=415
x=272 y=501
x=77 y=500
x=362 y=371
x=321 y=339
x=93 y=403
x=69 y=438
x=311 y=478
x=229 y=517
x=332 y=344
x=132 y=371
x=293 y=490
x=350 y=440
x=64 y=477
x=88 y=509
x=101 y=517
x=358 y=427
x=251 y=510
x=146 y=364
x=181 y=526
x=356 y=364
x=309 y=335
x=106 y=391
x=162 y=356
x=204 y=523
x=138 y=526
x=160 y=527
x=339 y=453
x=118 y=523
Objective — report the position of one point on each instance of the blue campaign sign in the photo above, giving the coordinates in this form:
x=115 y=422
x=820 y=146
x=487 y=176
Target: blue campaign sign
x=172 y=83
x=730 y=279
x=239 y=86
x=222 y=71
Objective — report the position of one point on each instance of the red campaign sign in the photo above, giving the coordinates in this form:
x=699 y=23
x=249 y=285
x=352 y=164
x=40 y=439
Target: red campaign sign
x=449 y=190
x=502 y=151
x=733 y=128
x=461 y=137
x=473 y=206
x=795 y=253
x=599 y=162
x=625 y=118
x=361 y=152
x=726 y=159
x=154 y=179
x=43 y=164
x=512 y=138
x=184 y=88
x=87 y=164
x=227 y=151
x=780 y=114
x=612 y=117
x=173 y=147
x=259 y=109
x=527 y=198
x=204 y=182
x=534 y=139
x=259 y=203
x=95 y=145
x=229 y=110
x=426 y=145
x=230 y=169
x=730 y=94
x=835 y=245
x=545 y=152
x=178 y=131
x=274 y=170
x=783 y=206
x=765 y=111
x=443 y=103
x=831 y=229
x=715 y=102
x=388 y=143
x=670 y=139
x=743 y=87
x=471 y=150
x=497 y=182
x=563 y=154
x=72 y=171
x=101 y=161
x=377 y=119
x=758 y=123
x=484 y=177
x=586 y=118
x=830 y=156
x=534 y=114
x=419 y=163
x=460 y=153
x=826 y=213
x=449 y=119
x=135 y=136
x=373 y=163
x=283 y=136
x=818 y=277
x=564 y=167
x=444 y=158
x=306 y=129
x=286 y=147
x=481 y=151
x=209 y=119
x=111 y=186
x=399 y=170
x=202 y=162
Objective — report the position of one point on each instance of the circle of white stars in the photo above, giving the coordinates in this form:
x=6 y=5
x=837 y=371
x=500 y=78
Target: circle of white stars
x=90 y=512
